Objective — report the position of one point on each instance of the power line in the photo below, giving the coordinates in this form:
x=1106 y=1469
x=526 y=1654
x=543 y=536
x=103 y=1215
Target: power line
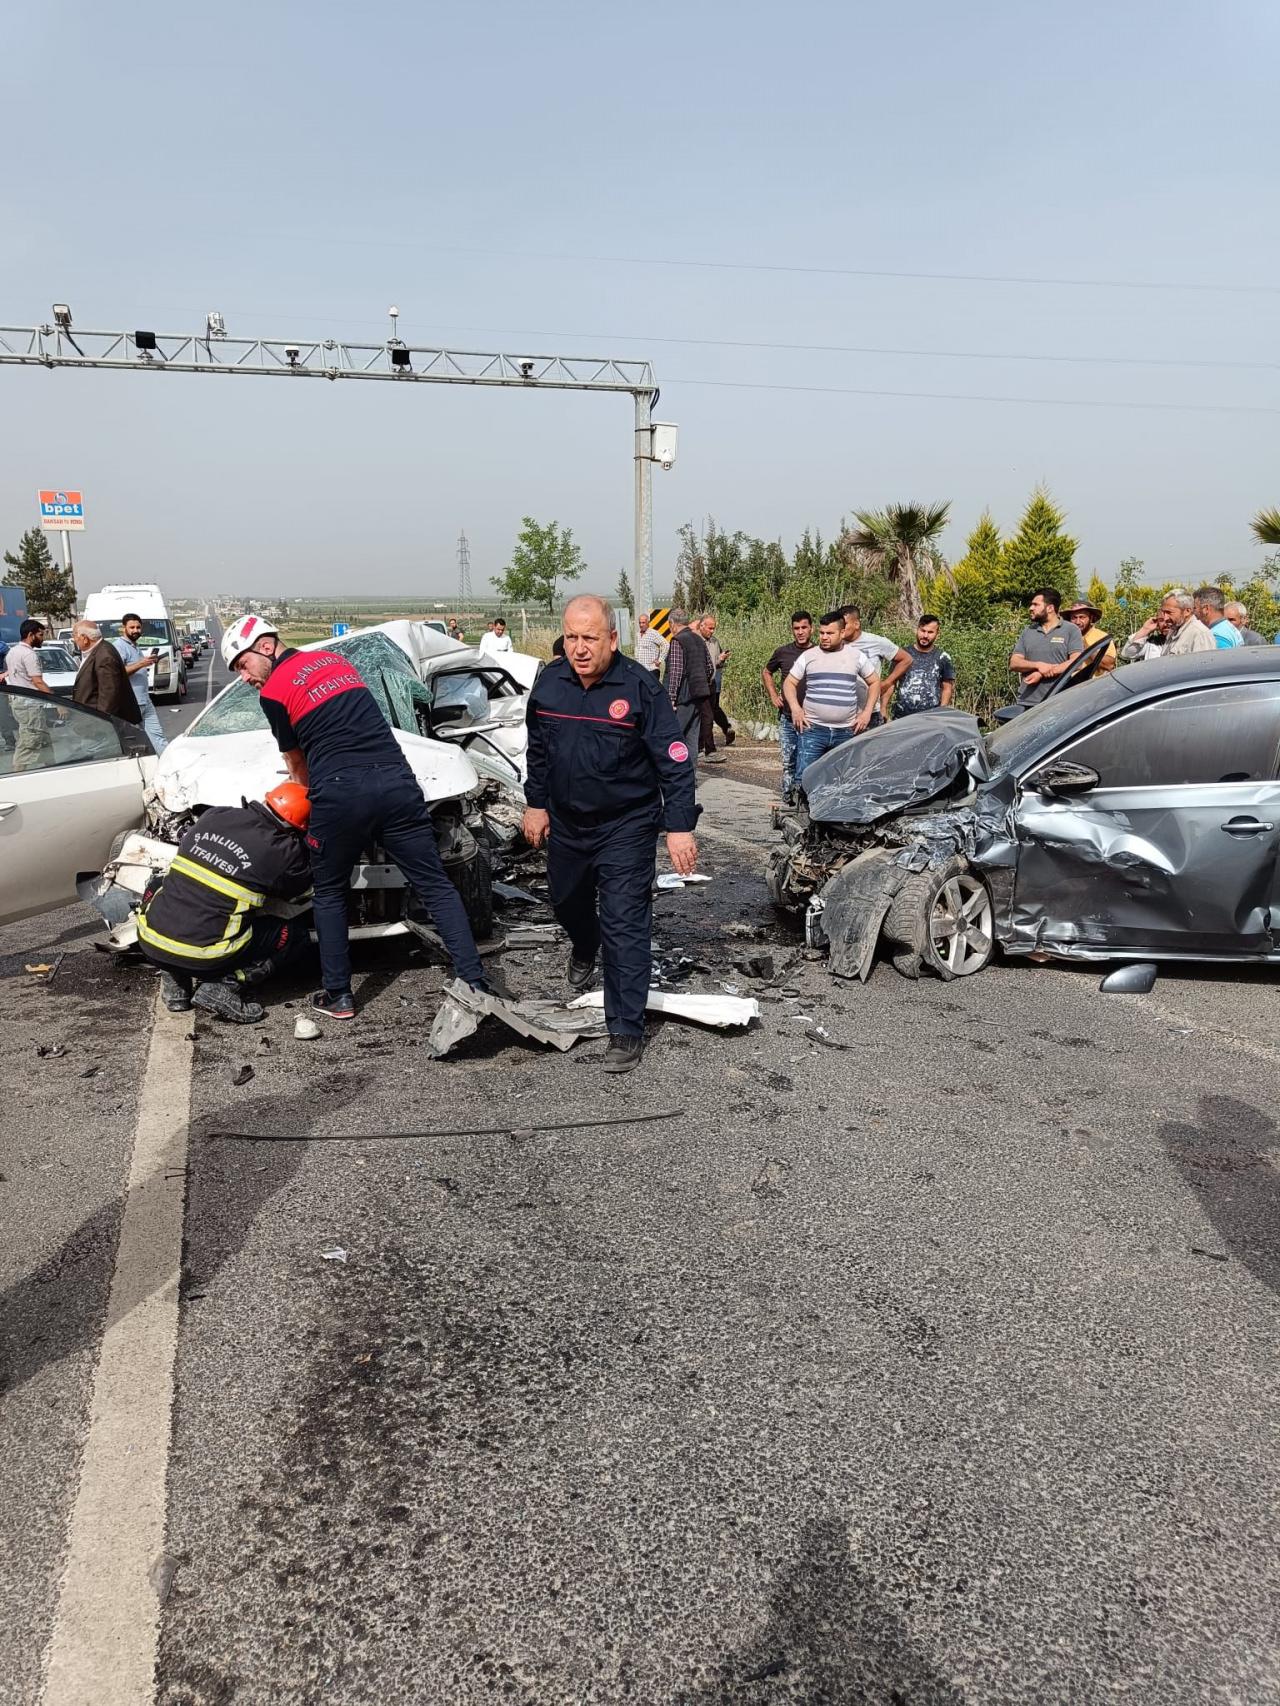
x=1027 y=280
x=974 y=397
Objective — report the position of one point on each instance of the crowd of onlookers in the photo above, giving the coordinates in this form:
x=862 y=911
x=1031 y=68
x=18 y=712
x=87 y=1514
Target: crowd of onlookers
x=833 y=680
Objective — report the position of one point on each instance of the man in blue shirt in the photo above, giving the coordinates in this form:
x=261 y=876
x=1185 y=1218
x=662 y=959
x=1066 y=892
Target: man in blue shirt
x=607 y=770
x=136 y=667
x=1211 y=608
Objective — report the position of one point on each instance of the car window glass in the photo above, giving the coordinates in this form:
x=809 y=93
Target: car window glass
x=1017 y=742
x=1216 y=734
x=376 y=657
x=38 y=733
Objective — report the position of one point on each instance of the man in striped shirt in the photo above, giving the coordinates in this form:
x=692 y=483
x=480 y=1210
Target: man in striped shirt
x=841 y=690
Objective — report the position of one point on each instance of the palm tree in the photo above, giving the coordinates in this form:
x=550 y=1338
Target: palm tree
x=899 y=540
x=1266 y=524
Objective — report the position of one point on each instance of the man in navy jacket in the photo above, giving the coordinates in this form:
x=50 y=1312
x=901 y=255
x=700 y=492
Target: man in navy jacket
x=607 y=771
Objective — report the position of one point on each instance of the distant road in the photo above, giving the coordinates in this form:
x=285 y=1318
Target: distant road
x=207 y=679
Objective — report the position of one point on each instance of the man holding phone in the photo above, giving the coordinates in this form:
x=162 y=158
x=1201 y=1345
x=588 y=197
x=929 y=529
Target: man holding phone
x=136 y=665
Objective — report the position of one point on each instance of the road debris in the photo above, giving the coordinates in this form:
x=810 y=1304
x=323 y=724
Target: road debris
x=335 y=1254
x=510 y=891
x=243 y=1076
x=533 y=936
x=584 y=1124
x=547 y=1022
x=306 y=1030
x=49 y=1051
x=724 y=1012
x=673 y=879
x=756 y=965
x=1139 y=978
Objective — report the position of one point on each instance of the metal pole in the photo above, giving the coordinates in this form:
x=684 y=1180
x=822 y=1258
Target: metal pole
x=643 y=577
x=70 y=567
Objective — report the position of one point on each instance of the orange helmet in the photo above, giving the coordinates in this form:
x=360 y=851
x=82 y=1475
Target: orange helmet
x=291 y=803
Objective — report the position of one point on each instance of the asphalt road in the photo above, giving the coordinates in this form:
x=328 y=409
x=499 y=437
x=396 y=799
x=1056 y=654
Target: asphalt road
x=932 y=1357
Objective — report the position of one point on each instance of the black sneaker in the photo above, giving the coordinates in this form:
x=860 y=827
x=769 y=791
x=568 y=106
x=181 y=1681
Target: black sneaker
x=730 y=736
x=580 y=972
x=224 y=1001
x=340 y=1006
x=175 y=992
x=623 y=1054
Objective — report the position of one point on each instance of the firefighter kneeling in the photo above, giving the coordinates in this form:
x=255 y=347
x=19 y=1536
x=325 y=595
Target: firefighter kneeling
x=199 y=925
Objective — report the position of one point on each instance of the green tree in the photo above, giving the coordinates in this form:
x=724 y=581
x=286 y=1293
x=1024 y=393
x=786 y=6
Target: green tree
x=1039 y=553
x=544 y=556
x=689 y=591
x=966 y=592
x=50 y=590
x=1266 y=526
x=623 y=596
x=900 y=541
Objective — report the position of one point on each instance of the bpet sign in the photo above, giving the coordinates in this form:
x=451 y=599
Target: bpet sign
x=62 y=512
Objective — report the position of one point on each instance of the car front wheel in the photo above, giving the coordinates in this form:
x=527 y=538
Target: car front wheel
x=941 y=921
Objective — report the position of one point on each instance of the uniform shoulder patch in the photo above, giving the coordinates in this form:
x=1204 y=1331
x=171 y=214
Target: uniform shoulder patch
x=678 y=751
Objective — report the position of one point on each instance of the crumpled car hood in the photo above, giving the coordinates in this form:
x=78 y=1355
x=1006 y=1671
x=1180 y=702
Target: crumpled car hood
x=225 y=769
x=889 y=769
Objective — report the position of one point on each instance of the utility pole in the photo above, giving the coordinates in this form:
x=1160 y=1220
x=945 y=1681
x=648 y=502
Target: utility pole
x=465 y=594
x=70 y=567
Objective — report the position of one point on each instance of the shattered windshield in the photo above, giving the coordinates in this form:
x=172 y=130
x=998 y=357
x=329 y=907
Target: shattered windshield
x=1056 y=718
x=378 y=659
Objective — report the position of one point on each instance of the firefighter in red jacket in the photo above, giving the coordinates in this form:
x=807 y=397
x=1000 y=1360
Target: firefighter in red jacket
x=202 y=925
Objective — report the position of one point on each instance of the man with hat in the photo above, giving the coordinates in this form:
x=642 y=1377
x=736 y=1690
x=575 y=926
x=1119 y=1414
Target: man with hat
x=1085 y=616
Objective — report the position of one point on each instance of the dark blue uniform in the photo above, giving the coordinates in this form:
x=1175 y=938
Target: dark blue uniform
x=609 y=764
x=362 y=790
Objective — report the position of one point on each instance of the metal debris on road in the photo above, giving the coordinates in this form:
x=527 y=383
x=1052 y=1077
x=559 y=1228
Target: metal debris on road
x=1136 y=979
x=243 y=1076
x=533 y=936
x=542 y=1021
x=336 y=1254
x=509 y=891
x=633 y=1118
x=49 y=1051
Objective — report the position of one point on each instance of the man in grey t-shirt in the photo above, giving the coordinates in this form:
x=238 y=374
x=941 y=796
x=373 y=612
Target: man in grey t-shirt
x=1045 y=646
x=137 y=666
x=33 y=747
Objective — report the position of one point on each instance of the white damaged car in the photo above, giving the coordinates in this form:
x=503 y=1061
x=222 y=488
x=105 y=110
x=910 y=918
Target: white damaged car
x=457 y=714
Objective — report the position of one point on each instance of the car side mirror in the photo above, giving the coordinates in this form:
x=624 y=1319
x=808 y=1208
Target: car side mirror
x=1064 y=777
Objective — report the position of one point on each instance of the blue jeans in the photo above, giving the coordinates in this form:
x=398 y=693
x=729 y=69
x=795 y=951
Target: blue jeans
x=381 y=802
x=151 y=723
x=816 y=740
x=788 y=741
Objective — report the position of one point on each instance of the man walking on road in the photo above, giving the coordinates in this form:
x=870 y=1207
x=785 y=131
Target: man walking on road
x=608 y=771
x=137 y=667
x=717 y=657
x=779 y=664
x=101 y=682
x=33 y=747
x=1045 y=646
x=841 y=689
x=651 y=647
x=337 y=744
x=689 y=686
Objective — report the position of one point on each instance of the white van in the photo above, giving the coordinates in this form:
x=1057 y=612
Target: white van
x=108 y=608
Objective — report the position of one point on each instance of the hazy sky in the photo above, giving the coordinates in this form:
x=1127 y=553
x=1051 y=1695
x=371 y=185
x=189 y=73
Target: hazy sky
x=497 y=169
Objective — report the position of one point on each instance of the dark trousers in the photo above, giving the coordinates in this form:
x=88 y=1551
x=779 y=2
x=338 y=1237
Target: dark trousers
x=276 y=945
x=383 y=803
x=718 y=717
x=601 y=884
x=694 y=717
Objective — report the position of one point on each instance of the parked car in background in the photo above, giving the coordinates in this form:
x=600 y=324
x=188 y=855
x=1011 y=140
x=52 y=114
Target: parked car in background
x=59 y=666
x=1133 y=817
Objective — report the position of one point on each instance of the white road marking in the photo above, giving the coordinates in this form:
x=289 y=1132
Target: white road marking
x=103 y=1647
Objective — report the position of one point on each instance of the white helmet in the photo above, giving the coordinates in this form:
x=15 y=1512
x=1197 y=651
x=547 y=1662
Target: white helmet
x=243 y=633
